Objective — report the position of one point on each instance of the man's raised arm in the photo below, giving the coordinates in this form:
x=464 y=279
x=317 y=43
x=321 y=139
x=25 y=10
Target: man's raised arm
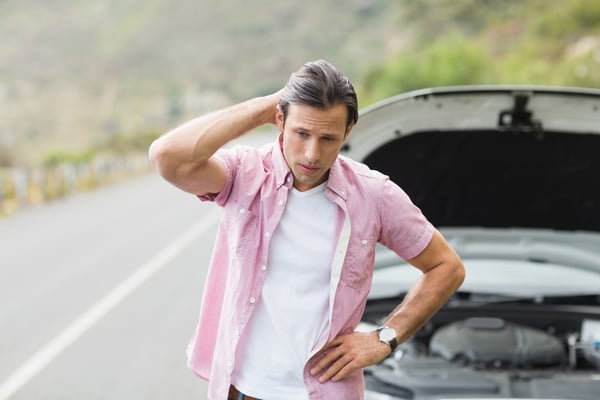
x=184 y=156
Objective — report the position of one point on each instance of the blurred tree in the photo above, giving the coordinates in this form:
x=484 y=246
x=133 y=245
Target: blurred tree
x=463 y=42
x=448 y=61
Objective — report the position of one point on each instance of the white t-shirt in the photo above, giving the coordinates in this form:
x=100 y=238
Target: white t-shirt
x=293 y=311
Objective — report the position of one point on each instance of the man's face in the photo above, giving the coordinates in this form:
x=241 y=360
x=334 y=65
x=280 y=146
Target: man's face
x=312 y=140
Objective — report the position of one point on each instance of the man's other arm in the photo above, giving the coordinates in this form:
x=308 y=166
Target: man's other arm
x=443 y=273
x=185 y=155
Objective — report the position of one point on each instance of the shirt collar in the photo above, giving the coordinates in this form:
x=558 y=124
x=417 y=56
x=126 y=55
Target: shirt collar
x=283 y=174
x=336 y=181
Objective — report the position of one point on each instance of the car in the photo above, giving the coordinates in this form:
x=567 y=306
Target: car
x=510 y=176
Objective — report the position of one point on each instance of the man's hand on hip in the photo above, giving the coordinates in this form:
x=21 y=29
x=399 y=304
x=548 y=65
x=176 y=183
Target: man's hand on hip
x=347 y=353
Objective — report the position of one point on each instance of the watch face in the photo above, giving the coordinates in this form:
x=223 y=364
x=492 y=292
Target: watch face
x=387 y=334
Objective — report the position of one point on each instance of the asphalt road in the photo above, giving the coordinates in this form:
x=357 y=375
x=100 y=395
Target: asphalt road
x=99 y=294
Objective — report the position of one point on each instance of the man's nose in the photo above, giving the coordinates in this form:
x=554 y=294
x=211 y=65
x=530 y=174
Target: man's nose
x=313 y=152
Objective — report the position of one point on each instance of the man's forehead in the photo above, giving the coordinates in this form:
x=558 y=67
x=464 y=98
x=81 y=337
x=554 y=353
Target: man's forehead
x=337 y=112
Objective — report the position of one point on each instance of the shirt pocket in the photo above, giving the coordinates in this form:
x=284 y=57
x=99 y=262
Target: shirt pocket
x=360 y=257
x=241 y=226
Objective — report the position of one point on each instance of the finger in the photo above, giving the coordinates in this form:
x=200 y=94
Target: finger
x=327 y=359
x=335 y=369
x=345 y=371
x=334 y=343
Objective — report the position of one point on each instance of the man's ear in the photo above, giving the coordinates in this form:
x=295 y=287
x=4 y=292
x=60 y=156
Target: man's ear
x=348 y=129
x=279 y=119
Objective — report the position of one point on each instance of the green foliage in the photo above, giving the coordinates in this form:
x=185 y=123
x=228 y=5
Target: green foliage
x=567 y=19
x=492 y=42
x=117 y=144
x=61 y=156
x=582 y=71
x=449 y=61
x=91 y=77
x=123 y=144
x=470 y=17
x=74 y=73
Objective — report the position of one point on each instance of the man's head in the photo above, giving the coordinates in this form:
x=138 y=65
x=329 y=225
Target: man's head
x=319 y=84
x=317 y=111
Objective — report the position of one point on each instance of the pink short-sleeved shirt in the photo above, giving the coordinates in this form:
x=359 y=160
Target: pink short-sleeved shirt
x=371 y=209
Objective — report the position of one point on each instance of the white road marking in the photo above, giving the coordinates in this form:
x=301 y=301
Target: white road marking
x=39 y=360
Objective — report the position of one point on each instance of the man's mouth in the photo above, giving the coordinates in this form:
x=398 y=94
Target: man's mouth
x=308 y=170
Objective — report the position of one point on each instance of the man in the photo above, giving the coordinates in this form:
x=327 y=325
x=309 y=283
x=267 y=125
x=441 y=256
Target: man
x=293 y=259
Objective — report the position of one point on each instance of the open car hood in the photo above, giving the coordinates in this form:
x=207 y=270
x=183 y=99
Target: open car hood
x=508 y=175
x=505 y=172
x=490 y=156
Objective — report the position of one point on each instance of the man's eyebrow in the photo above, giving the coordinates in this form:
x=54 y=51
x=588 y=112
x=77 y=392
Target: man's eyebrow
x=331 y=135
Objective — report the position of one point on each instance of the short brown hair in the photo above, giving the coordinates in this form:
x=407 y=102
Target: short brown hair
x=319 y=84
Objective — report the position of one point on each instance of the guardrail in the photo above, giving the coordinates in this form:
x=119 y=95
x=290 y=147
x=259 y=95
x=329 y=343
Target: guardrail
x=25 y=187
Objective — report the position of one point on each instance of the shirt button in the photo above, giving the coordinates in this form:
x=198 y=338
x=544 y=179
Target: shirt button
x=267 y=234
x=280 y=202
x=365 y=241
x=263 y=267
x=288 y=179
x=252 y=300
x=242 y=211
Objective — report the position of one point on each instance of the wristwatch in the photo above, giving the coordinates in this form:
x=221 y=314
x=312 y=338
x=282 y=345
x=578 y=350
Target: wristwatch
x=388 y=335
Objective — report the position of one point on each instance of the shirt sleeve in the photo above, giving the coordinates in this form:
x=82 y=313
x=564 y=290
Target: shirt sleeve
x=230 y=159
x=404 y=228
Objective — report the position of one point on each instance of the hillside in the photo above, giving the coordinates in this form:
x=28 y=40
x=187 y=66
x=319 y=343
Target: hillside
x=462 y=42
x=82 y=77
x=75 y=74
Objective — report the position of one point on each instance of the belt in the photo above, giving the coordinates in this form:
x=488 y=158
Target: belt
x=235 y=394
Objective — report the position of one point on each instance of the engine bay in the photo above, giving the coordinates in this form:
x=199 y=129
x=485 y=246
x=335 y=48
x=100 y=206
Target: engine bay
x=504 y=350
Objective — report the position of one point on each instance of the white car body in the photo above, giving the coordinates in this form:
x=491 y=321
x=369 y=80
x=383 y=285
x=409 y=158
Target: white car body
x=509 y=175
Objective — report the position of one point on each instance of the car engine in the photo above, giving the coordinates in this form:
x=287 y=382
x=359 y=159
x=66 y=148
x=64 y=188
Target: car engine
x=494 y=342
x=493 y=357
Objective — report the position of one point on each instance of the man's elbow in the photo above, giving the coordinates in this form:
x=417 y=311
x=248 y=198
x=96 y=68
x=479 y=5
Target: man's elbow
x=457 y=272
x=155 y=153
x=162 y=159
x=175 y=167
